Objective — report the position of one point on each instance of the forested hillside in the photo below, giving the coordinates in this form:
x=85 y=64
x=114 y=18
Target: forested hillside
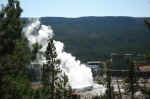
x=94 y=38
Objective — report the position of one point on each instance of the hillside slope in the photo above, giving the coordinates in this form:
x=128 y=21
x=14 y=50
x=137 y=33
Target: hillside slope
x=94 y=38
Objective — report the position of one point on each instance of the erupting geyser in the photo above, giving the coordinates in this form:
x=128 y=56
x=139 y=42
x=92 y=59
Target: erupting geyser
x=79 y=75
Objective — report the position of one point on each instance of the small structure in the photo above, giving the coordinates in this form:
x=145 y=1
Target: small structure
x=120 y=63
x=97 y=68
x=95 y=64
x=35 y=70
x=144 y=71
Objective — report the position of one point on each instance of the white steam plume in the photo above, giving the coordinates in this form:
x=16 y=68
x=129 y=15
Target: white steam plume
x=79 y=75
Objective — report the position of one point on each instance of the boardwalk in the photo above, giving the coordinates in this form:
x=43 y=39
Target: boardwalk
x=123 y=97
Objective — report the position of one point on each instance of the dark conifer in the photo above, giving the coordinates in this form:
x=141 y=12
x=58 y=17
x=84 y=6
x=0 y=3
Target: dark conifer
x=108 y=80
x=131 y=80
x=14 y=57
x=52 y=75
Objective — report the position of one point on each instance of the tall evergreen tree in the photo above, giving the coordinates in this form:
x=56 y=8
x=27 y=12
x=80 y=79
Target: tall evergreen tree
x=14 y=57
x=52 y=75
x=108 y=80
x=131 y=81
x=63 y=90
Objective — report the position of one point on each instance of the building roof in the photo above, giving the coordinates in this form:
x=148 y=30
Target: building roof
x=35 y=87
x=144 y=68
x=94 y=62
x=122 y=54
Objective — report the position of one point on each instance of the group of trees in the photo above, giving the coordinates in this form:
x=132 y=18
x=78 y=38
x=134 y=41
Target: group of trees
x=16 y=56
x=131 y=83
x=102 y=35
x=130 y=86
x=14 y=53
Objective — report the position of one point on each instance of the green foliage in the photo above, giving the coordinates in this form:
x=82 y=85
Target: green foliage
x=147 y=23
x=10 y=27
x=109 y=91
x=94 y=38
x=52 y=74
x=146 y=91
x=15 y=54
x=35 y=50
x=147 y=58
x=131 y=82
x=63 y=89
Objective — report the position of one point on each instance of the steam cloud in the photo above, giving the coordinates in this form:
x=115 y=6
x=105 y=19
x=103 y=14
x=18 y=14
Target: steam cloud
x=79 y=75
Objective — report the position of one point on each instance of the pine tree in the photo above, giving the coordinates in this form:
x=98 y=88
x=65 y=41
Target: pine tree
x=147 y=23
x=52 y=74
x=14 y=51
x=63 y=89
x=131 y=81
x=108 y=80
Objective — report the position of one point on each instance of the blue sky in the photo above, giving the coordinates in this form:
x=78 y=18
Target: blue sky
x=78 y=8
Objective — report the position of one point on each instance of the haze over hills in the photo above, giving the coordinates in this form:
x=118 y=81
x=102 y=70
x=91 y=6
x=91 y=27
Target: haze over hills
x=94 y=38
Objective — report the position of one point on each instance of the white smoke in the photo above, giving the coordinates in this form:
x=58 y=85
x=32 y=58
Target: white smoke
x=79 y=75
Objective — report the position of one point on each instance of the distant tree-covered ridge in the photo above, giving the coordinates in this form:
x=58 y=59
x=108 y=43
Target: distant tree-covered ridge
x=94 y=38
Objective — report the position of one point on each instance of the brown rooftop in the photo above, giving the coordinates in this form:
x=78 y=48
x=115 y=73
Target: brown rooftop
x=144 y=68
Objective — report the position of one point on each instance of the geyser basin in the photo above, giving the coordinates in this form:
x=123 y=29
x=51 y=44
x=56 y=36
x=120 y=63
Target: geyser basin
x=93 y=90
x=82 y=90
x=79 y=75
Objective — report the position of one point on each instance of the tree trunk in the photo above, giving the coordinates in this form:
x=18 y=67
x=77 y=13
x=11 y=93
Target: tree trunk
x=119 y=89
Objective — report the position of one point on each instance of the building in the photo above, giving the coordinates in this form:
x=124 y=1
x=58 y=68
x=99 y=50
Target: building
x=95 y=65
x=120 y=61
x=35 y=72
x=97 y=68
x=144 y=71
